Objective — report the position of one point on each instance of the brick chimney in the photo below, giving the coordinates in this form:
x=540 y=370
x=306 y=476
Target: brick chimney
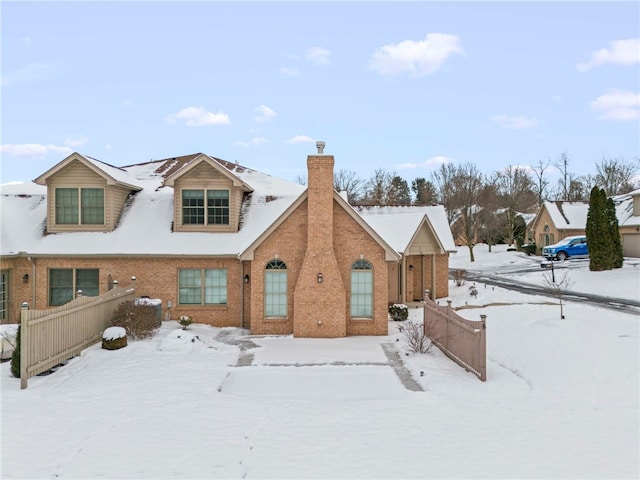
x=320 y=296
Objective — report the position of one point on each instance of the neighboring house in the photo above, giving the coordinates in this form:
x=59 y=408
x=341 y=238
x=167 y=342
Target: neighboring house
x=558 y=220
x=225 y=244
x=628 y=213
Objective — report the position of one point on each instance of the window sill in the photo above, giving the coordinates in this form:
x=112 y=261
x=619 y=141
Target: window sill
x=276 y=319
x=202 y=307
x=361 y=319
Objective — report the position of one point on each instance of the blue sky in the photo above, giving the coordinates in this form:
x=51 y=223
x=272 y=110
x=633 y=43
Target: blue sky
x=397 y=86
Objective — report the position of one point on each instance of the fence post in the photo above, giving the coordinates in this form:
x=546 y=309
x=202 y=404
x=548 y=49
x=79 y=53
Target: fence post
x=483 y=348
x=24 y=344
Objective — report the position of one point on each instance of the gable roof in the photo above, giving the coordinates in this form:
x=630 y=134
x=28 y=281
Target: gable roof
x=400 y=225
x=112 y=175
x=573 y=215
x=390 y=253
x=212 y=162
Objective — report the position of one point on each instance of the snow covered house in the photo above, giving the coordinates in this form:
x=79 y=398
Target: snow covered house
x=225 y=244
x=558 y=220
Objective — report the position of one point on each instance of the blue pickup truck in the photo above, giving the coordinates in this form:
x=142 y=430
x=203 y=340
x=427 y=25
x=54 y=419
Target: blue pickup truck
x=567 y=247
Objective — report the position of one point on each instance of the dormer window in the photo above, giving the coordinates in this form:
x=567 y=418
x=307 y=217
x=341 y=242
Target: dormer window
x=193 y=207
x=79 y=206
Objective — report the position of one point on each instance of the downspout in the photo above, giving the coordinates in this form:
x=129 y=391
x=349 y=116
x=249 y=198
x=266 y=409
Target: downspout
x=403 y=280
x=33 y=281
x=242 y=287
x=433 y=276
x=422 y=281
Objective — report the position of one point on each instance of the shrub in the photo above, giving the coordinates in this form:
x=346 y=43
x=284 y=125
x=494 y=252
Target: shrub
x=114 y=338
x=139 y=321
x=529 y=248
x=399 y=312
x=185 y=321
x=415 y=338
x=15 y=357
x=459 y=276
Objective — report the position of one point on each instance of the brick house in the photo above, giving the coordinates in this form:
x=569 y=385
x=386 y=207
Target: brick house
x=558 y=220
x=225 y=244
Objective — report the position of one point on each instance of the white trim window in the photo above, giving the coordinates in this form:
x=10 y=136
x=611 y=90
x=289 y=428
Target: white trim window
x=275 y=289
x=79 y=206
x=195 y=213
x=65 y=282
x=198 y=286
x=361 y=289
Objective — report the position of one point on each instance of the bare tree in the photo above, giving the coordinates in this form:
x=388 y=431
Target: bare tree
x=558 y=285
x=301 y=179
x=541 y=183
x=442 y=180
x=348 y=181
x=615 y=176
x=376 y=189
x=562 y=164
x=490 y=225
x=466 y=189
x=515 y=191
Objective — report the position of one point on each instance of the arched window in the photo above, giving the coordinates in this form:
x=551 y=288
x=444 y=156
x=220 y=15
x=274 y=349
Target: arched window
x=361 y=289
x=275 y=289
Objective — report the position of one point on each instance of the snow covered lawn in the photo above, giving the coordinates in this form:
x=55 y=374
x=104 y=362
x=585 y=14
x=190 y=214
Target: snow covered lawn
x=561 y=401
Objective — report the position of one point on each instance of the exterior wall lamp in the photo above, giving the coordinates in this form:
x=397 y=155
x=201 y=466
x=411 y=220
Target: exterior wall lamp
x=411 y=268
x=25 y=278
x=320 y=278
x=246 y=278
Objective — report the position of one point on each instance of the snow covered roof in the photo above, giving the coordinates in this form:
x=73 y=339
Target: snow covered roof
x=573 y=215
x=145 y=226
x=568 y=215
x=624 y=209
x=109 y=172
x=399 y=224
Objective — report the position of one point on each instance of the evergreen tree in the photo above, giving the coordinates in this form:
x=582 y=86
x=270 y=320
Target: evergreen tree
x=399 y=193
x=615 y=250
x=596 y=230
x=424 y=191
x=15 y=357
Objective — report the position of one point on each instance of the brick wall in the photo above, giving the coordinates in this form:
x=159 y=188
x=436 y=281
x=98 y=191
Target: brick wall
x=156 y=277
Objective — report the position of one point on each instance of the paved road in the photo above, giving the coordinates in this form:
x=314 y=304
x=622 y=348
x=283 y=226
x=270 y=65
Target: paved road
x=619 y=304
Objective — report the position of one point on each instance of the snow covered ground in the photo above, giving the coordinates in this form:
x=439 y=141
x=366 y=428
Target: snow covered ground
x=561 y=399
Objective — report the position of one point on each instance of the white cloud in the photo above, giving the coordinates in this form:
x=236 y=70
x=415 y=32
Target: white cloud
x=620 y=52
x=430 y=163
x=289 y=71
x=108 y=146
x=264 y=113
x=318 y=55
x=33 y=150
x=617 y=105
x=127 y=103
x=254 y=142
x=418 y=58
x=515 y=123
x=75 y=141
x=34 y=71
x=198 y=117
x=300 y=139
